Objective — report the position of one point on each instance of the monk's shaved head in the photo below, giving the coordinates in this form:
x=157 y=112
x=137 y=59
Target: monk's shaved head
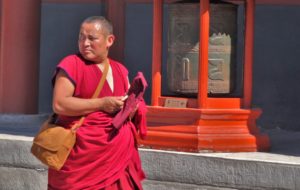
x=101 y=23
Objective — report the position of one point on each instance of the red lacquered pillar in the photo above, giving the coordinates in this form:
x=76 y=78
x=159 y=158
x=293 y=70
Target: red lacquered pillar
x=115 y=12
x=19 y=56
x=203 y=54
x=157 y=51
x=249 y=45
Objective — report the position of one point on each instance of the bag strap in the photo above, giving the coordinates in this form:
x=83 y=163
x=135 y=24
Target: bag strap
x=102 y=80
x=96 y=93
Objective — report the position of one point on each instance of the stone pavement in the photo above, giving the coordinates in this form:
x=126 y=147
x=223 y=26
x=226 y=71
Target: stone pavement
x=166 y=170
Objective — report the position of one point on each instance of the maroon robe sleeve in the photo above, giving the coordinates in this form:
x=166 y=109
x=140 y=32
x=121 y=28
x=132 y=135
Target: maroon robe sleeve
x=71 y=66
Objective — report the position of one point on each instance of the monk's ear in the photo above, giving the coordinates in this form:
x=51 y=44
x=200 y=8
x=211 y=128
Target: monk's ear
x=110 y=40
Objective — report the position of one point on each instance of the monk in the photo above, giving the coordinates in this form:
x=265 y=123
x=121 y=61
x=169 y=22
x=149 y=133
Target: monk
x=97 y=162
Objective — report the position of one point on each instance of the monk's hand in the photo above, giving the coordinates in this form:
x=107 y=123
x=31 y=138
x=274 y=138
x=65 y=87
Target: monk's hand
x=112 y=104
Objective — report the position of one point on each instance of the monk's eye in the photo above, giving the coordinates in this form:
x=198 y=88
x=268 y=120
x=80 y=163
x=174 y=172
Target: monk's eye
x=92 y=38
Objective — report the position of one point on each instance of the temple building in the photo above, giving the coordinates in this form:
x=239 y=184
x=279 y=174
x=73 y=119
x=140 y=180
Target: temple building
x=222 y=74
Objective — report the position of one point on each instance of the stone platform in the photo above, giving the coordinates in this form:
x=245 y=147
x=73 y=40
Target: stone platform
x=166 y=170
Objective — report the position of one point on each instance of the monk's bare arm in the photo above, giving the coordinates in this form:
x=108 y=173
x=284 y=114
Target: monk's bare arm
x=65 y=104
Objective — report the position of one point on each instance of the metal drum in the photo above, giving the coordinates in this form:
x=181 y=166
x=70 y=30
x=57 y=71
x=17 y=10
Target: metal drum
x=183 y=48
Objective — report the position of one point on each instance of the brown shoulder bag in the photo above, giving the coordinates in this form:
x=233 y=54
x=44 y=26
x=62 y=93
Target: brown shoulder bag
x=53 y=143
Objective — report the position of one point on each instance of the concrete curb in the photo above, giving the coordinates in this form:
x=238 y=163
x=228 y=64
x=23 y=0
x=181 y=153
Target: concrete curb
x=217 y=170
x=164 y=167
x=159 y=185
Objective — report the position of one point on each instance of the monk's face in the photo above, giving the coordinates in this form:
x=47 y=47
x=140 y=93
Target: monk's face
x=94 y=42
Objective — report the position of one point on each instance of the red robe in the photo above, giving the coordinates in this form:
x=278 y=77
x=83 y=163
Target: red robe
x=95 y=161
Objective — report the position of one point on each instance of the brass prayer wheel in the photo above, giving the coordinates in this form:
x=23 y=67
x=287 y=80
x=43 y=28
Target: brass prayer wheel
x=183 y=48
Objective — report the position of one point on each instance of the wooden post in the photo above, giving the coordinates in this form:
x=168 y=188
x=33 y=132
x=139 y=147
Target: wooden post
x=249 y=45
x=156 y=51
x=203 y=54
x=115 y=12
x=19 y=56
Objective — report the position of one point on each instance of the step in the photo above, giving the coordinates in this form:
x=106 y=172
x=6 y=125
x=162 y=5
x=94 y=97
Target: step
x=278 y=169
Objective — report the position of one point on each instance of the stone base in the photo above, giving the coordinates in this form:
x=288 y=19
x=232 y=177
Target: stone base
x=204 y=130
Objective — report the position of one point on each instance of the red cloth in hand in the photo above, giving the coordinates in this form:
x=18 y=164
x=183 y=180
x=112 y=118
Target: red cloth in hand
x=135 y=98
